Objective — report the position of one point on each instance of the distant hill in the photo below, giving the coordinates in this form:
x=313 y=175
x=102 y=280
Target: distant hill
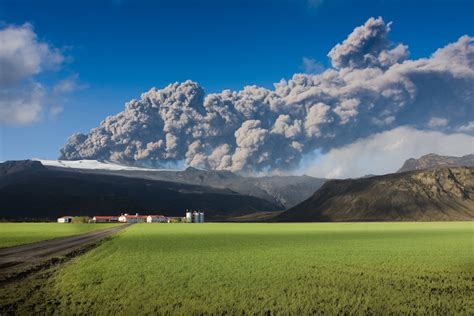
x=30 y=190
x=425 y=195
x=284 y=191
x=435 y=161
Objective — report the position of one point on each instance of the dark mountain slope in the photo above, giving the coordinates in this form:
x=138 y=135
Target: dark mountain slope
x=29 y=190
x=284 y=191
x=436 y=161
x=439 y=194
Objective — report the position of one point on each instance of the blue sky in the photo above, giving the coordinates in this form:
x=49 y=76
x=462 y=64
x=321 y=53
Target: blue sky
x=119 y=49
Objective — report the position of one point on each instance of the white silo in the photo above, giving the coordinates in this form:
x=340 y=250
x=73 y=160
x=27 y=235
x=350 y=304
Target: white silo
x=195 y=217
x=201 y=217
x=189 y=216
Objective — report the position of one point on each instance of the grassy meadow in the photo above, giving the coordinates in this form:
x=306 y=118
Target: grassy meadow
x=13 y=234
x=212 y=268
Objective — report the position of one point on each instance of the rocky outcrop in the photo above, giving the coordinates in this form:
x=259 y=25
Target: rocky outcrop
x=436 y=161
x=427 y=195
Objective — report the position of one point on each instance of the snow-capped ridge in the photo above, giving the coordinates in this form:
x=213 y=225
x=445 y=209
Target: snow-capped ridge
x=93 y=164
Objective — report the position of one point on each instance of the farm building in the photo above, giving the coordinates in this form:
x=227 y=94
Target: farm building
x=157 y=219
x=105 y=219
x=125 y=218
x=191 y=217
x=65 y=219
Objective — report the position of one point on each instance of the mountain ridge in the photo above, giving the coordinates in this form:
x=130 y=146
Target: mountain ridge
x=431 y=160
x=30 y=190
x=436 y=194
x=285 y=191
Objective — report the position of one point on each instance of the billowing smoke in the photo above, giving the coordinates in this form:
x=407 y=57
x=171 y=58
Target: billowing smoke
x=371 y=87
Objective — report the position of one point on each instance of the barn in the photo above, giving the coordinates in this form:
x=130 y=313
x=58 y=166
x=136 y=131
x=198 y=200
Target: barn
x=105 y=219
x=157 y=219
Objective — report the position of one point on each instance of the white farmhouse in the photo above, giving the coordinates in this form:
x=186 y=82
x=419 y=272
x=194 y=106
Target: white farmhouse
x=125 y=218
x=65 y=219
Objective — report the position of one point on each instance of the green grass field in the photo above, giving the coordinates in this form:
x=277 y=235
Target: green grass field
x=377 y=268
x=12 y=234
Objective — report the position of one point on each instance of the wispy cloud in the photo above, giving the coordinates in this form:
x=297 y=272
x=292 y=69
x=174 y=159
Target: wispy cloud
x=466 y=128
x=58 y=96
x=311 y=66
x=437 y=122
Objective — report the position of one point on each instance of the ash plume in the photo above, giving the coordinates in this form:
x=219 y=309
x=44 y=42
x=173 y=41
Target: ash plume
x=371 y=87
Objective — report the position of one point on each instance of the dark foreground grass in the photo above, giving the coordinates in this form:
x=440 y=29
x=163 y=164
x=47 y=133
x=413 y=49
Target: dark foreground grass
x=12 y=234
x=378 y=268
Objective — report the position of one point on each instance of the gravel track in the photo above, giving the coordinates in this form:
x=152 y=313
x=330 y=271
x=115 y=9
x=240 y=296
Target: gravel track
x=20 y=259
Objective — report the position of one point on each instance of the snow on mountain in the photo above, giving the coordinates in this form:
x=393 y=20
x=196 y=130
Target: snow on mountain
x=92 y=164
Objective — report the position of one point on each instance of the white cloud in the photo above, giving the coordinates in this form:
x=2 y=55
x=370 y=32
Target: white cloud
x=468 y=127
x=437 y=122
x=23 y=98
x=21 y=105
x=385 y=152
x=22 y=55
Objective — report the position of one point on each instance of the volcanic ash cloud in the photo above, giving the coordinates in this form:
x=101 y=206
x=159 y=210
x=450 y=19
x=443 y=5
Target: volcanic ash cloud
x=371 y=87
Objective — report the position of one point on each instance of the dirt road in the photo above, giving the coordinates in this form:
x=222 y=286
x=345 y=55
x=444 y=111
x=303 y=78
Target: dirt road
x=22 y=259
